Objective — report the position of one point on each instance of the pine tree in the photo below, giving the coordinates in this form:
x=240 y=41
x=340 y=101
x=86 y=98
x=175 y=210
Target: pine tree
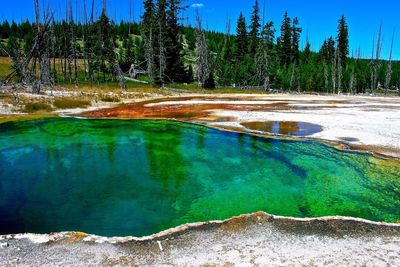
x=241 y=38
x=285 y=41
x=210 y=82
x=149 y=37
x=264 y=55
x=296 y=31
x=323 y=51
x=148 y=17
x=262 y=65
x=5 y=30
x=268 y=34
x=327 y=51
x=254 y=29
x=226 y=59
x=106 y=56
x=175 y=70
x=14 y=29
x=160 y=41
x=343 y=41
x=307 y=52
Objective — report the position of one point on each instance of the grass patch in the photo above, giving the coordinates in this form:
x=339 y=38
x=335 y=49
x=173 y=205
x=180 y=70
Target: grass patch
x=5 y=67
x=35 y=107
x=5 y=96
x=195 y=88
x=106 y=88
x=184 y=86
x=110 y=99
x=235 y=91
x=67 y=103
x=384 y=92
x=25 y=117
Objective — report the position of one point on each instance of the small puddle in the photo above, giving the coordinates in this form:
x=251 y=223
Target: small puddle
x=292 y=128
x=225 y=119
x=349 y=139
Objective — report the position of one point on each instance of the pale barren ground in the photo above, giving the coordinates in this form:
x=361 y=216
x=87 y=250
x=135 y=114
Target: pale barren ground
x=255 y=240
x=371 y=121
x=374 y=121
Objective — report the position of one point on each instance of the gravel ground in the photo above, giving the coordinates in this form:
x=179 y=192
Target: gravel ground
x=251 y=240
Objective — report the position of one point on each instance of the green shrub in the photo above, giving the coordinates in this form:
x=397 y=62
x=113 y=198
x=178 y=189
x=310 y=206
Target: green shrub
x=35 y=107
x=67 y=103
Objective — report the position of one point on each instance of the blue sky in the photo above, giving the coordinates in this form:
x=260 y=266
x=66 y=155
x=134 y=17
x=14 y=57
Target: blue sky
x=317 y=17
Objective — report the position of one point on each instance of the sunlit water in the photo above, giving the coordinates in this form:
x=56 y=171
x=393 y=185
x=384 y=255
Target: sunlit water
x=118 y=178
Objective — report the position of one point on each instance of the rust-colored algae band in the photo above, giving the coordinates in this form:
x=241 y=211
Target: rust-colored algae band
x=186 y=112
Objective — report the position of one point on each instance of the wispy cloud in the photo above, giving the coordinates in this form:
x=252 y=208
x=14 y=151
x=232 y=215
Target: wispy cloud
x=197 y=5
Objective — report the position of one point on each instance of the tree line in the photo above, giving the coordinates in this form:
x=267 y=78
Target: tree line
x=50 y=51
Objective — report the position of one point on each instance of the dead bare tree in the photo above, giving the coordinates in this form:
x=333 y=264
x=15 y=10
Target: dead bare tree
x=225 y=57
x=25 y=63
x=43 y=53
x=150 y=56
x=53 y=43
x=37 y=13
x=73 y=56
x=375 y=62
x=353 y=77
x=161 y=54
x=263 y=14
x=130 y=17
x=372 y=62
x=20 y=66
x=388 y=77
x=339 y=74
x=334 y=70
x=68 y=35
x=202 y=60
x=262 y=57
x=104 y=5
x=262 y=66
x=92 y=13
x=292 y=77
x=84 y=41
x=89 y=45
x=117 y=70
x=351 y=82
x=326 y=76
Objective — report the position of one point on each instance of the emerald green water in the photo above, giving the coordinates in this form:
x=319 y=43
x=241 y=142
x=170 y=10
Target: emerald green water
x=119 y=178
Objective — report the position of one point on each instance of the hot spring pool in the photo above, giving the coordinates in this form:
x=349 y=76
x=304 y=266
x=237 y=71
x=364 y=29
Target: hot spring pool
x=138 y=177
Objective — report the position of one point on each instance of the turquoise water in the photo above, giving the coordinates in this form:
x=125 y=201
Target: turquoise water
x=138 y=177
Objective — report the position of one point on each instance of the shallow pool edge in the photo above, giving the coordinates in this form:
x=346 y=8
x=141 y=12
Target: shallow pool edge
x=338 y=145
x=250 y=218
x=328 y=223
